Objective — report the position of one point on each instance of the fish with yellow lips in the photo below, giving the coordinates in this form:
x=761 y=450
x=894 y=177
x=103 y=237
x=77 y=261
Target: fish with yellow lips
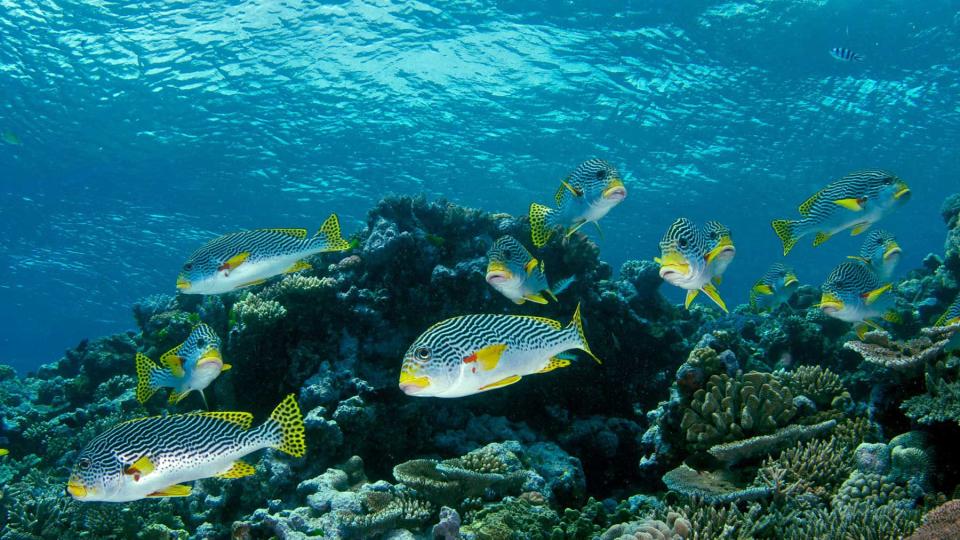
x=192 y=365
x=881 y=251
x=695 y=259
x=854 y=293
x=585 y=196
x=775 y=287
x=518 y=275
x=470 y=354
x=856 y=201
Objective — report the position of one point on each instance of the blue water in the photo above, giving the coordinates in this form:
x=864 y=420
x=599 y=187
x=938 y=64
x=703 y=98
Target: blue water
x=145 y=129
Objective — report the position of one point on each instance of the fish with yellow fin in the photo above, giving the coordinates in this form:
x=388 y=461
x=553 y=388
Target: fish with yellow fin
x=247 y=258
x=152 y=457
x=856 y=201
x=3 y=452
x=192 y=365
x=881 y=251
x=476 y=353
x=952 y=315
x=585 y=196
x=775 y=287
x=694 y=259
x=518 y=275
x=853 y=293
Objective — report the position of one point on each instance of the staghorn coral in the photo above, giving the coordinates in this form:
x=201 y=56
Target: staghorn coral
x=257 y=314
x=819 y=384
x=878 y=348
x=730 y=409
x=941 y=523
x=861 y=521
x=941 y=403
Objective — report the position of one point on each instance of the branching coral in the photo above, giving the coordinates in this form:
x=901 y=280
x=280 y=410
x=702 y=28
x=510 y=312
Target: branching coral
x=762 y=445
x=451 y=481
x=730 y=409
x=941 y=403
x=820 y=385
x=941 y=523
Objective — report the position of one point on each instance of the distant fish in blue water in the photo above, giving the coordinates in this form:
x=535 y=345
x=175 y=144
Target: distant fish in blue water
x=518 y=275
x=856 y=201
x=853 y=293
x=585 y=196
x=841 y=53
x=192 y=365
x=694 y=259
x=882 y=252
x=10 y=137
x=475 y=353
x=248 y=258
x=774 y=288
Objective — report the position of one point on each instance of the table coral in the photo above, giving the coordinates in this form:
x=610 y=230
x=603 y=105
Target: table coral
x=878 y=348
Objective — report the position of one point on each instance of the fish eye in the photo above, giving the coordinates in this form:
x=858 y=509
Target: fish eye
x=422 y=353
x=188 y=266
x=887 y=181
x=507 y=254
x=682 y=242
x=601 y=174
x=201 y=342
x=84 y=463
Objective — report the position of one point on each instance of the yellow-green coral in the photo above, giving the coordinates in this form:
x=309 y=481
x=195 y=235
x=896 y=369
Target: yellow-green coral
x=820 y=385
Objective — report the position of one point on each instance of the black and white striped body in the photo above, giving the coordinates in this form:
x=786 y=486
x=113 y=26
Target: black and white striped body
x=842 y=53
x=683 y=250
x=881 y=250
x=593 y=179
x=849 y=283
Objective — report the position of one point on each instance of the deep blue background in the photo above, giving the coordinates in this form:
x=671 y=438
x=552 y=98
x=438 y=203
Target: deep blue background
x=148 y=128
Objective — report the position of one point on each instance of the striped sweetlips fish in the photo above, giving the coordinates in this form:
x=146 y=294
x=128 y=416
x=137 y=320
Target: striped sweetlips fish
x=518 y=275
x=192 y=365
x=689 y=259
x=842 y=53
x=856 y=201
x=854 y=293
x=584 y=196
x=151 y=457
x=720 y=242
x=474 y=353
x=775 y=287
x=247 y=258
x=882 y=252
x=952 y=315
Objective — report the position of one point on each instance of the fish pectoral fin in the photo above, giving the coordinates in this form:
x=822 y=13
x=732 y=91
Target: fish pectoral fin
x=177 y=397
x=551 y=295
x=488 y=357
x=537 y=298
x=555 y=363
x=235 y=261
x=298 y=266
x=691 y=294
x=176 y=490
x=4 y=451
x=576 y=192
x=225 y=367
x=808 y=204
x=763 y=289
x=139 y=468
x=252 y=283
x=860 y=228
x=854 y=205
x=575 y=228
x=860 y=259
x=239 y=469
x=531 y=266
x=174 y=363
x=501 y=383
x=714 y=295
x=820 y=238
x=861 y=330
x=599 y=230
x=874 y=295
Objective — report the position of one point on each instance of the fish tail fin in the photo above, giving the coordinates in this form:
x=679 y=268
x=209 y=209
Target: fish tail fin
x=541 y=223
x=284 y=430
x=562 y=285
x=577 y=324
x=329 y=235
x=787 y=231
x=150 y=378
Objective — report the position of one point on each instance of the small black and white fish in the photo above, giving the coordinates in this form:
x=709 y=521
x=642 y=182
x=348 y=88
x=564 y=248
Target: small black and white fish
x=842 y=53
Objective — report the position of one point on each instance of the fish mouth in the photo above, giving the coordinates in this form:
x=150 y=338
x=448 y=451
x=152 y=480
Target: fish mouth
x=902 y=193
x=182 y=284
x=412 y=384
x=725 y=246
x=892 y=249
x=673 y=263
x=497 y=272
x=75 y=489
x=830 y=303
x=790 y=280
x=615 y=191
x=210 y=357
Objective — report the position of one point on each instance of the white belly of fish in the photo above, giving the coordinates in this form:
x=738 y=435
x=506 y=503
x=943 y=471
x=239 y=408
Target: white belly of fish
x=166 y=475
x=248 y=272
x=512 y=362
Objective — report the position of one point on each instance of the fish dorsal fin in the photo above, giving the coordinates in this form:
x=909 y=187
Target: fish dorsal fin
x=299 y=234
x=239 y=469
x=872 y=296
x=140 y=468
x=488 y=357
x=501 y=383
x=531 y=265
x=173 y=361
x=549 y=322
x=177 y=490
x=241 y=419
x=808 y=204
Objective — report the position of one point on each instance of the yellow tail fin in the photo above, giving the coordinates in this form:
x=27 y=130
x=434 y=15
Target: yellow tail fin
x=577 y=323
x=785 y=230
x=291 y=437
x=540 y=230
x=145 y=387
x=330 y=233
